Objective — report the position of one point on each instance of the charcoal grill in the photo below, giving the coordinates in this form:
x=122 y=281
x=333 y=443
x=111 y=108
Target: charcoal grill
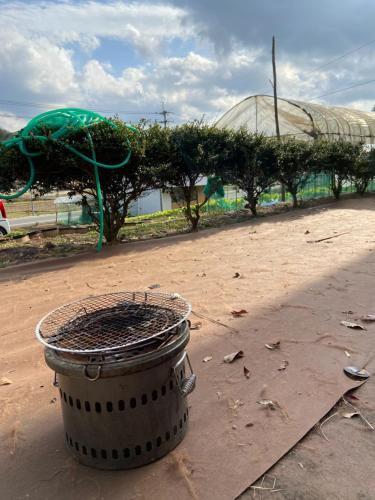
x=123 y=375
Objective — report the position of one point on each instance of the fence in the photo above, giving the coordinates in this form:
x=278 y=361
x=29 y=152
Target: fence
x=317 y=186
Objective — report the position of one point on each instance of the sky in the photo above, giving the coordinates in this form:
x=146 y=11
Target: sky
x=199 y=57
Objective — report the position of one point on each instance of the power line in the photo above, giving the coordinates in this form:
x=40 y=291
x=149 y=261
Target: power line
x=342 y=90
x=52 y=106
x=165 y=114
x=338 y=58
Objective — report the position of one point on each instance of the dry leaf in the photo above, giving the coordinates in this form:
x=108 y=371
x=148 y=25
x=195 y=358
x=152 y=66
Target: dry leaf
x=347 y=312
x=250 y=424
x=246 y=372
x=284 y=365
x=195 y=326
x=351 y=396
x=229 y=358
x=239 y=314
x=301 y=465
x=274 y=345
x=350 y=415
x=207 y=359
x=348 y=354
x=350 y=324
x=236 y=275
x=272 y=405
x=369 y=318
x=307 y=231
x=5 y=381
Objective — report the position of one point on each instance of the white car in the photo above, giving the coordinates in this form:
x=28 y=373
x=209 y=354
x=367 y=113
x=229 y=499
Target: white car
x=4 y=222
x=4 y=226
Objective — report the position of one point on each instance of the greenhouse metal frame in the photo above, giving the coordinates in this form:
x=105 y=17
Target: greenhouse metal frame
x=303 y=120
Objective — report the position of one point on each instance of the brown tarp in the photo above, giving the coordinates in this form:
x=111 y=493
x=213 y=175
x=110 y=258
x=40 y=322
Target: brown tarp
x=233 y=439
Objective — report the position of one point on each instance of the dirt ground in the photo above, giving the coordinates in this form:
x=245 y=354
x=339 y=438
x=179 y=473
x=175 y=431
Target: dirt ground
x=285 y=281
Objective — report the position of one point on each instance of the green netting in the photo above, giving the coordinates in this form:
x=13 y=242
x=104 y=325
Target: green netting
x=61 y=124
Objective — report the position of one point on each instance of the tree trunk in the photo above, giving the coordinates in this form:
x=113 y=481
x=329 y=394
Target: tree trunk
x=293 y=191
x=336 y=186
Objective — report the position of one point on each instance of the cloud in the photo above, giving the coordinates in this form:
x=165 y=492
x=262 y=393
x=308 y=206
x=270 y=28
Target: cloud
x=11 y=122
x=145 y=25
x=200 y=56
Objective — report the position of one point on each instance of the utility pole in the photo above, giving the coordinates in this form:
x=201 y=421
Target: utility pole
x=274 y=85
x=165 y=114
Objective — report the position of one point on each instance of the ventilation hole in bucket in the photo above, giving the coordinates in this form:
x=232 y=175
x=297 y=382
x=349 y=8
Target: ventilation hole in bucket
x=148 y=446
x=180 y=423
x=70 y=441
x=78 y=404
x=126 y=452
x=115 y=454
x=121 y=405
x=84 y=450
x=138 y=450
x=61 y=393
x=133 y=403
x=163 y=390
x=93 y=452
x=144 y=399
x=184 y=417
x=67 y=437
x=76 y=446
x=175 y=429
x=103 y=454
x=109 y=406
x=171 y=384
x=98 y=407
x=154 y=395
x=158 y=441
x=87 y=406
x=64 y=397
x=167 y=436
x=70 y=400
x=181 y=374
x=187 y=411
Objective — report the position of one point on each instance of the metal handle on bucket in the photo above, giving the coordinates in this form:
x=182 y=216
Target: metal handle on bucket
x=97 y=376
x=187 y=385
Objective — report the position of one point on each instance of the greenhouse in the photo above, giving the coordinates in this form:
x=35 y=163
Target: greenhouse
x=303 y=120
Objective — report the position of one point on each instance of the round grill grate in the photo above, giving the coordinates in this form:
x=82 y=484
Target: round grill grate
x=111 y=322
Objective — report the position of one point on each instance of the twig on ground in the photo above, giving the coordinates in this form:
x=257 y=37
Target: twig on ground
x=324 y=422
x=329 y=238
x=214 y=321
x=359 y=413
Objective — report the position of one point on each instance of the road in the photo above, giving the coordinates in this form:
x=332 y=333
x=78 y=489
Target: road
x=32 y=220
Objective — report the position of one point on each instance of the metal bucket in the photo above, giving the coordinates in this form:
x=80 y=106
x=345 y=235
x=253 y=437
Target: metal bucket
x=125 y=411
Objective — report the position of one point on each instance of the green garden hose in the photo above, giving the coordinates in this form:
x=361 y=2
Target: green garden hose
x=61 y=124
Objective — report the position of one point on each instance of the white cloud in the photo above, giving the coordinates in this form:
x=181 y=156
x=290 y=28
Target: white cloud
x=11 y=122
x=145 y=25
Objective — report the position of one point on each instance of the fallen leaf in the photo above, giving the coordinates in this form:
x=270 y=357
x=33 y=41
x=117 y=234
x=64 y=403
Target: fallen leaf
x=350 y=324
x=236 y=275
x=272 y=405
x=274 y=345
x=207 y=359
x=195 y=326
x=352 y=396
x=350 y=415
x=307 y=231
x=229 y=358
x=284 y=365
x=238 y=314
x=301 y=465
x=246 y=372
x=347 y=312
x=348 y=354
x=156 y=285
x=5 y=381
x=250 y=424
x=369 y=318
x=234 y=427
